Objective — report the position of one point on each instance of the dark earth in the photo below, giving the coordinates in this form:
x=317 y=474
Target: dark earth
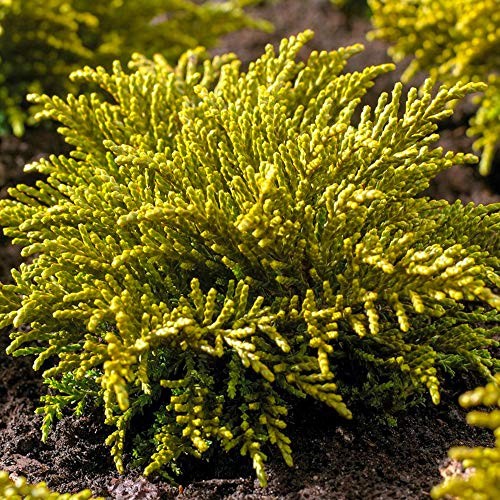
x=334 y=459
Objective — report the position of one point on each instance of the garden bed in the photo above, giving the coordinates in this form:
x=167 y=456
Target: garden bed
x=334 y=458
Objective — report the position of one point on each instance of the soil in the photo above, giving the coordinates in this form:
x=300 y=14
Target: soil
x=334 y=458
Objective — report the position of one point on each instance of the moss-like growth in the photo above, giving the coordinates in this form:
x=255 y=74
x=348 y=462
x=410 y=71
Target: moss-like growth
x=220 y=242
x=42 y=41
x=453 y=41
x=482 y=478
x=18 y=489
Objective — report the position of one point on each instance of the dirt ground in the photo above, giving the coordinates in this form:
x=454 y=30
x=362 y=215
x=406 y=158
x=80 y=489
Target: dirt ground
x=334 y=458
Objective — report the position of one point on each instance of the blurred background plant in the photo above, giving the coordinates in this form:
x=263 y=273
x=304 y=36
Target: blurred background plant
x=453 y=41
x=352 y=7
x=42 y=41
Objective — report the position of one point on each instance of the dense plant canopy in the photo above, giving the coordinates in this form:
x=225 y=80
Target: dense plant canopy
x=220 y=242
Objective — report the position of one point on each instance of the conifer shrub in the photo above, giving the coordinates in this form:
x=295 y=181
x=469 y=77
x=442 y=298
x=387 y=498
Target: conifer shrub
x=220 y=243
x=482 y=465
x=453 y=41
x=18 y=489
x=42 y=41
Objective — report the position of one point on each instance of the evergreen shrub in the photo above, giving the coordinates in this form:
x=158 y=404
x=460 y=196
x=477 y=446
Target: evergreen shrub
x=453 y=41
x=482 y=465
x=18 y=489
x=220 y=243
x=42 y=41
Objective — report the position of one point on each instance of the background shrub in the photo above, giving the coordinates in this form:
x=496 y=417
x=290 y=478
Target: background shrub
x=42 y=41
x=482 y=465
x=453 y=41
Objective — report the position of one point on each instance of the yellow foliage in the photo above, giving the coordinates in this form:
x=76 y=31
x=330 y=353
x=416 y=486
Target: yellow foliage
x=482 y=465
x=452 y=41
x=18 y=489
x=219 y=242
x=42 y=41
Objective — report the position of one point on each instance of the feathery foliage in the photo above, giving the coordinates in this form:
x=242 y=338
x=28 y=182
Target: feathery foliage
x=18 y=490
x=42 y=41
x=221 y=242
x=453 y=41
x=484 y=463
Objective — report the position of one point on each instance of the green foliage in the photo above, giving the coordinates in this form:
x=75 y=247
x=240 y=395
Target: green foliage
x=453 y=41
x=221 y=242
x=482 y=475
x=18 y=490
x=42 y=41
x=351 y=7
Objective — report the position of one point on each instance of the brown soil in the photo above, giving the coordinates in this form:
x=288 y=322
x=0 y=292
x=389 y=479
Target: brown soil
x=334 y=459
